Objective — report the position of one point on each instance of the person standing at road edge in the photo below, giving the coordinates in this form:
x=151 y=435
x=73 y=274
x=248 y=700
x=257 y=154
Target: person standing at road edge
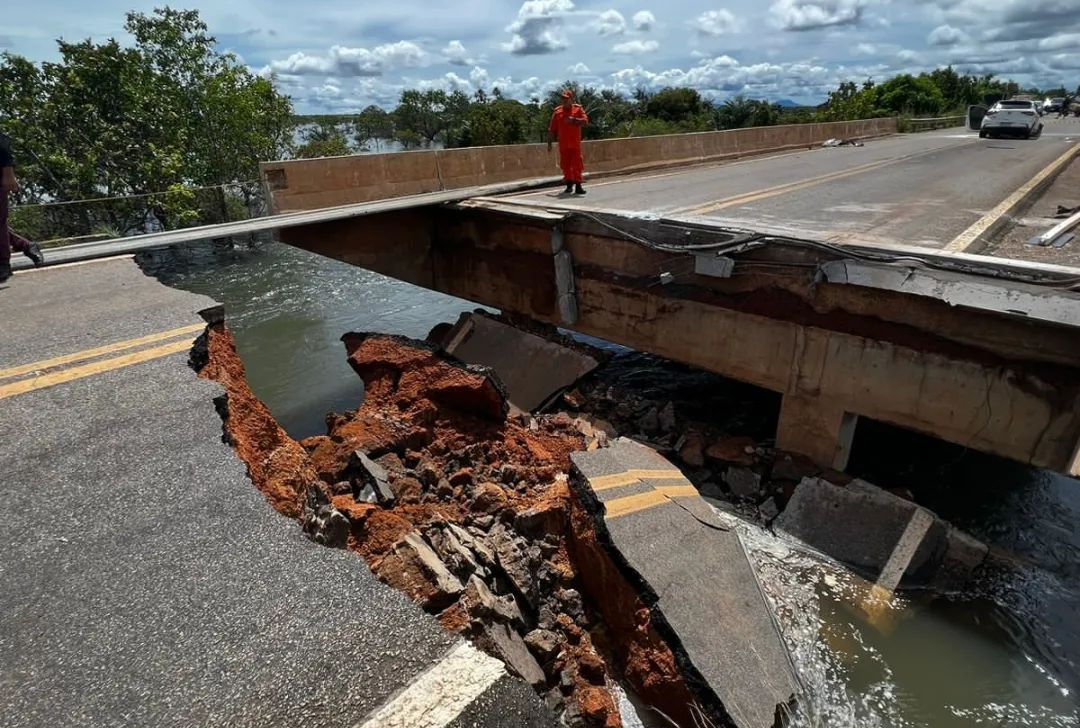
x=8 y=240
x=566 y=125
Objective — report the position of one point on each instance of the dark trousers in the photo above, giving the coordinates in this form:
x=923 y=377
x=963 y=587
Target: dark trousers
x=8 y=238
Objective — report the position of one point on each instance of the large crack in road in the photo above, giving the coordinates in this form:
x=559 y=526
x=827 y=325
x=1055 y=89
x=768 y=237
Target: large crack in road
x=467 y=510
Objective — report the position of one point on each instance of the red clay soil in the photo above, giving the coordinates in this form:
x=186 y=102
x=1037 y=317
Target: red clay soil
x=452 y=456
x=645 y=660
x=276 y=463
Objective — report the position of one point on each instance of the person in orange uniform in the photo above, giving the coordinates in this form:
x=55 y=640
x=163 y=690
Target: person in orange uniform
x=566 y=125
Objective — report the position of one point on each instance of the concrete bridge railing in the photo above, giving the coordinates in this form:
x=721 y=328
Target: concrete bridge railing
x=309 y=184
x=937 y=122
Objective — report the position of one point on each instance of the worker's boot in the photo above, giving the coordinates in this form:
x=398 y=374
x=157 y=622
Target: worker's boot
x=569 y=188
x=5 y=272
x=578 y=189
x=33 y=252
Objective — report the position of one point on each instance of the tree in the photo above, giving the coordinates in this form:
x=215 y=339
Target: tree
x=372 y=125
x=152 y=120
x=907 y=94
x=323 y=140
x=739 y=112
x=422 y=115
x=675 y=105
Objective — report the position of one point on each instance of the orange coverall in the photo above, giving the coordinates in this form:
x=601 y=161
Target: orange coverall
x=569 y=136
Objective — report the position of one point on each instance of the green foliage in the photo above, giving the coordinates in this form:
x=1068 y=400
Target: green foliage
x=150 y=121
x=740 y=112
x=371 y=126
x=675 y=105
x=323 y=140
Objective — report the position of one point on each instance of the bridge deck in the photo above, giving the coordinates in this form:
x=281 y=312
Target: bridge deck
x=915 y=189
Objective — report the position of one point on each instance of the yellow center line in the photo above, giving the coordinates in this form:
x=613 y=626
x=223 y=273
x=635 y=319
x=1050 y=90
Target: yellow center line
x=633 y=504
x=965 y=240
x=89 y=370
x=607 y=482
x=99 y=351
x=678 y=491
x=747 y=198
x=643 y=501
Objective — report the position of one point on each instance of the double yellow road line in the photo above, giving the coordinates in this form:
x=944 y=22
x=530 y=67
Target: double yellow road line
x=58 y=370
x=676 y=486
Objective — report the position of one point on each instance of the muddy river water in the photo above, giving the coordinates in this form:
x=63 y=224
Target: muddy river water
x=1006 y=653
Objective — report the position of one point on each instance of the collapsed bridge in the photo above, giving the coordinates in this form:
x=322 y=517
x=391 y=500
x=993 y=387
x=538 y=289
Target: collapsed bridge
x=978 y=351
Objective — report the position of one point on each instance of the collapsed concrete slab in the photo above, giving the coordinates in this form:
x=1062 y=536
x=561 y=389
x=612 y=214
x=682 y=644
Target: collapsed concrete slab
x=862 y=525
x=696 y=579
x=533 y=368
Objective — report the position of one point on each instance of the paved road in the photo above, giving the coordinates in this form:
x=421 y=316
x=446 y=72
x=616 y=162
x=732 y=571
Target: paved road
x=915 y=189
x=143 y=579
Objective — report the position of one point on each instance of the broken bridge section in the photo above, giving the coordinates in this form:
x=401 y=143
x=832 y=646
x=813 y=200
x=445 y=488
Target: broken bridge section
x=695 y=577
x=977 y=351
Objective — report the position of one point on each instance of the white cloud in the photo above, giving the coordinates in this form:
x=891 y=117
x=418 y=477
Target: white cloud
x=946 y=35
x=716 y=22
x=538 y=28
x=644 y=20
x=866 y=49
x=811 y=14
x=908 y=56
x=636 y=47
x=344 y=61
x=724 y=76
x=611 y=22
x=456 y=54
x=578 y=69
x=479 y=77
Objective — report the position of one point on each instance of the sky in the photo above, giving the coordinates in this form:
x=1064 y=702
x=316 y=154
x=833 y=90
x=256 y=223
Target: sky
x=339 y=56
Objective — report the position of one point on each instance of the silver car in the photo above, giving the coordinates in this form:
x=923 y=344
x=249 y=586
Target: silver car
x=1016 y=118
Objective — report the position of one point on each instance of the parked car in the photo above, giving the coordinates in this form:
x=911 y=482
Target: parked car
x=1018 y=118
x=1056 y=106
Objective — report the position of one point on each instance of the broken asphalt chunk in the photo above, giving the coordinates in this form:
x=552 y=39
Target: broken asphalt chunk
x=323 y=523
x=506 y=644
x=370 y=482
x=534 y=368
x=414 y=568
x=482 y=604
x=711 y=611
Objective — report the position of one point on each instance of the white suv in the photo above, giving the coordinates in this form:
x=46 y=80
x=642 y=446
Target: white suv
x=1020 y=118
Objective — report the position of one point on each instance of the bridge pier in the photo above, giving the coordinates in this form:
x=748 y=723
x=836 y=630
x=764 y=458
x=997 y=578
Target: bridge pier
x=816 y=428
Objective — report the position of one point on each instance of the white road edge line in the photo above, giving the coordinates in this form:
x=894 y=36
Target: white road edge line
x=437 y=696
x=966 y=240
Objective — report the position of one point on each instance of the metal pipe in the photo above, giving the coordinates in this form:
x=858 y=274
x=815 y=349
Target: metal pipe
x=1057 y=231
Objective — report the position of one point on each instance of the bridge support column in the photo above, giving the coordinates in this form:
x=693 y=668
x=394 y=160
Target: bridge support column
x=816 y=428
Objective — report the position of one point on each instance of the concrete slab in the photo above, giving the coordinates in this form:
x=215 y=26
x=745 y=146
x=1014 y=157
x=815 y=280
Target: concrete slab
x=143 y=579
x=696 y=578
x=532 y=368
x=859 y=525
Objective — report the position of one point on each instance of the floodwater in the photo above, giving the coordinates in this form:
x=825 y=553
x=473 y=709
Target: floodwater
x=1006 y=653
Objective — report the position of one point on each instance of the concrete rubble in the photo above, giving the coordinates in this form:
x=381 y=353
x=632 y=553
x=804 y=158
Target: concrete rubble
x=860 y=525
x=467 y=511
x=533 y=367
x=492 y=518
x=724 y=633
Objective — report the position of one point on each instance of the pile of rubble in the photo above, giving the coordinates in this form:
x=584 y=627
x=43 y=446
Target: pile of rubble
x=459 y=499
x=464 y=508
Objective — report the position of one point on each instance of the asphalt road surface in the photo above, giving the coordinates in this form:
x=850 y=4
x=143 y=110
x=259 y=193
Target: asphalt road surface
x=144 y=581
x=913 y=189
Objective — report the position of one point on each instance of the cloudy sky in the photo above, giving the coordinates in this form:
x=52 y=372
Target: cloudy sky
x=340 y=55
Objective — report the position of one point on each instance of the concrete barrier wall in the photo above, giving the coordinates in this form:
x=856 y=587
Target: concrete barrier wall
x=309 y=184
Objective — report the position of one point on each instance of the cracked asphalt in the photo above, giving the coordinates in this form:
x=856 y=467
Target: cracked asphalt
x=143 y=579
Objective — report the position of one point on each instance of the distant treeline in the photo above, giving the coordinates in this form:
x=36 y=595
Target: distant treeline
x=168 y=131
x=455 y=119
